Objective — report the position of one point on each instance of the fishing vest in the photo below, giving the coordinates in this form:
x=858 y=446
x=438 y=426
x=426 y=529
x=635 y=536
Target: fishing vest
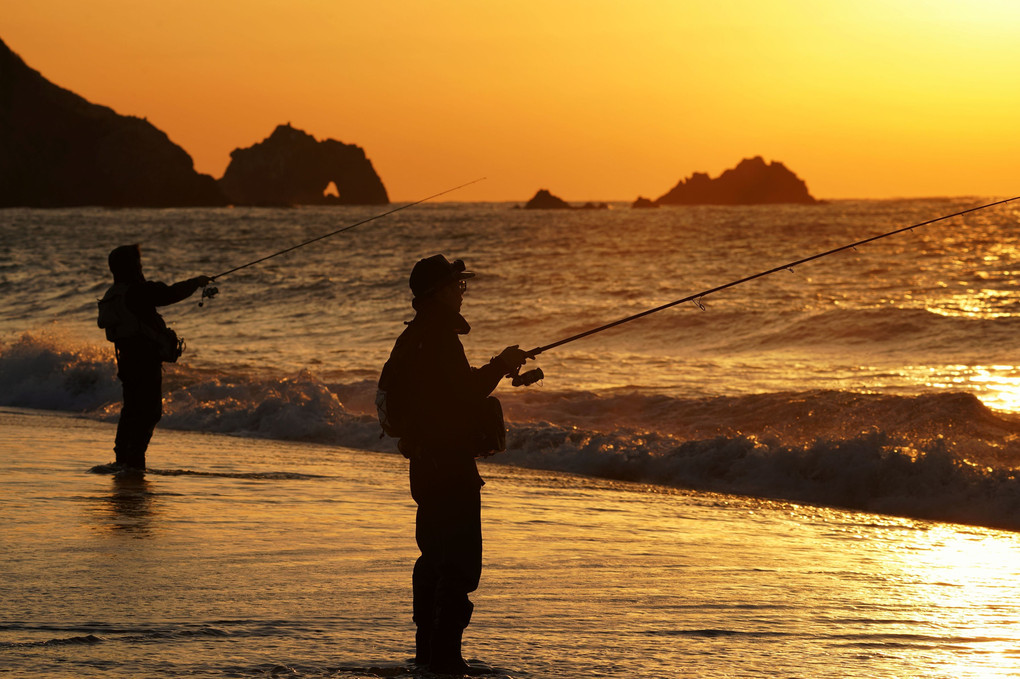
x=396 y=402
x=121 y=323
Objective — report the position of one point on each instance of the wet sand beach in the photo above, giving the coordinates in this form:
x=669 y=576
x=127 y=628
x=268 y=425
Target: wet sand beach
x=247 y=558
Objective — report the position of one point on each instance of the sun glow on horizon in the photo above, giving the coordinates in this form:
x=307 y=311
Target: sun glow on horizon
x=595 y=100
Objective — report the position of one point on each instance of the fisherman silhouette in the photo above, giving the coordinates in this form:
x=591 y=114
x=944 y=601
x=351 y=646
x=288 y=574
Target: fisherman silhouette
x=142 y=342
x=435 y=401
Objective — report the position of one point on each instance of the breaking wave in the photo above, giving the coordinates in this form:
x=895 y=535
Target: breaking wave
x=46 y=370
x=941 y=455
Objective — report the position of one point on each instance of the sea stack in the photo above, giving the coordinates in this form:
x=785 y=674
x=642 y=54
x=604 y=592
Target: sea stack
x=543 y=200
x=751 y=182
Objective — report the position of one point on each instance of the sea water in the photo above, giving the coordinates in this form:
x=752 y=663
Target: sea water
x=739 y=474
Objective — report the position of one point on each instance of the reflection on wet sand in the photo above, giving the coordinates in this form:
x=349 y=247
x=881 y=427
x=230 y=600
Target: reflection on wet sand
x=129 y=507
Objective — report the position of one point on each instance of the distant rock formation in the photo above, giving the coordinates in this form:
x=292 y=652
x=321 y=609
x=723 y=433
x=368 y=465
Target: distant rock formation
x=643 y=202
x=291 y=168
x=543 y=200
x=752 y=182
x=57 y=149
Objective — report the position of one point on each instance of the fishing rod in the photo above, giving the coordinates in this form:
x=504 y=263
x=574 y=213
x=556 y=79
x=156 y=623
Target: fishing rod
x=532 y=376
x=209 y=292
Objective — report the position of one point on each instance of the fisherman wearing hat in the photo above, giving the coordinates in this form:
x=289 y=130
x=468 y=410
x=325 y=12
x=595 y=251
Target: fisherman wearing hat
x=443 y=431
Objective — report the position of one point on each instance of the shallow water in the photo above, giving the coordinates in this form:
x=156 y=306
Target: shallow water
x=290 y=559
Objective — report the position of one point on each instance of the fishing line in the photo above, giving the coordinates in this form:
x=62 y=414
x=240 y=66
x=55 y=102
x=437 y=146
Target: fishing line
x=529 y=377
x=208 y=292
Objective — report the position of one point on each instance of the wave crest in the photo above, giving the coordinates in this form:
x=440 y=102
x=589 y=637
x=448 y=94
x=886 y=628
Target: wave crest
x=50 y=371
x=874 y=472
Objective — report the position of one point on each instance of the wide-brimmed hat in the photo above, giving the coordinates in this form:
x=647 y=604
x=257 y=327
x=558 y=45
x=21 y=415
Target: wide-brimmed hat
x=432 y=273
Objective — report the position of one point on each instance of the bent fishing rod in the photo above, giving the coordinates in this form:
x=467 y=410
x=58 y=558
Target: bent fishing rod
x=532 y=376
x=209 y=292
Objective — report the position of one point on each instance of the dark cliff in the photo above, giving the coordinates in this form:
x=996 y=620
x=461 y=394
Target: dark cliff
x=291 y=168
x=752 y=182
x=57 y=149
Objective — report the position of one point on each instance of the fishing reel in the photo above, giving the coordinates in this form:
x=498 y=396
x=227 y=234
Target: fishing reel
x=208 y=292
x=526 y=379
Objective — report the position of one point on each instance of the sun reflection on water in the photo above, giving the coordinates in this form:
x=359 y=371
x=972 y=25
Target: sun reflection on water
x=985 y=304
x=960 y=570
x=997 y=386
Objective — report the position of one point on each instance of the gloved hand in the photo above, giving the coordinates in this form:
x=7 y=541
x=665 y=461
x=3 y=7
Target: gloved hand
x=512 y=358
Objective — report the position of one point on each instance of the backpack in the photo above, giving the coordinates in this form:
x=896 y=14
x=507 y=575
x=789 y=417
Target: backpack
x=394 y=399
x=115 y=317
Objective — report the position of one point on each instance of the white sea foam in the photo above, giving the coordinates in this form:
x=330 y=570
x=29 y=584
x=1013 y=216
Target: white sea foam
x=50 y=371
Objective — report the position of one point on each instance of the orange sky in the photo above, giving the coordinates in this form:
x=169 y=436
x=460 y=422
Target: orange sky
x=591 y=99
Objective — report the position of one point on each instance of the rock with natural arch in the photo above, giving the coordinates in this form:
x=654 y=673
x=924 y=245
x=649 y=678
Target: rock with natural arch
x=291 y=167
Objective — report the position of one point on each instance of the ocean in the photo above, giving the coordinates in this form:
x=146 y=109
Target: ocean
x=815 y=474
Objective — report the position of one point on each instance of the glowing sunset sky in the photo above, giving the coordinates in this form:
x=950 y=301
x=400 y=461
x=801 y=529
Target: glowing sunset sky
x=592 y=99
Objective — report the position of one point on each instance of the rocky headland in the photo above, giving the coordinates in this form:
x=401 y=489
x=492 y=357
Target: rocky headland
x=751 y=182
x=290 y=167
x=58 y=149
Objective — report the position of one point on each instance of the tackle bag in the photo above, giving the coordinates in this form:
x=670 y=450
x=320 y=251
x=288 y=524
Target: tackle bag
x=168 y=345
x=491 y=428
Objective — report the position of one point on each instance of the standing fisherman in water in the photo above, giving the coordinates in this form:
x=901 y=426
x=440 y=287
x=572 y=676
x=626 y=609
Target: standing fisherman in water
x=142 y=343
x=438 y=405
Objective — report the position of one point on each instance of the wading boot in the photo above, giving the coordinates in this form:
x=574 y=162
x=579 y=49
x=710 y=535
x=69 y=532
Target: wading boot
x=422 y=646
x=446 y=657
